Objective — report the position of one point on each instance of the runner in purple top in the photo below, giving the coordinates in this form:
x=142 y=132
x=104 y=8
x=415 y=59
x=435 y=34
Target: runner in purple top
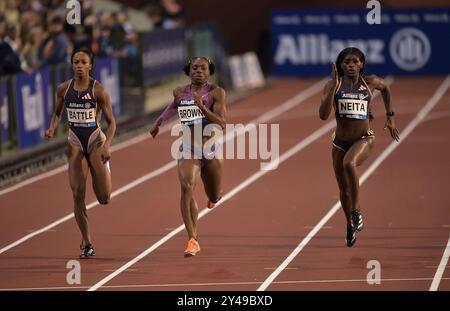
x=197 y=104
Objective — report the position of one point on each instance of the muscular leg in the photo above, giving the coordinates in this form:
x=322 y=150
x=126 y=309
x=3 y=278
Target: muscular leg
x=212 y=179
x=343 y=183
x=188 y=174
x=101 y=177
x=194 y=217
x=78 y=170
x=357 y=154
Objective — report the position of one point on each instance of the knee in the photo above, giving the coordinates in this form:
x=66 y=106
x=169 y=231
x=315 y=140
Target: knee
x=187 y=187
x=349 y=165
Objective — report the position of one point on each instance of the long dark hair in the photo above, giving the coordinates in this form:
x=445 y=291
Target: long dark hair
x=349 y=51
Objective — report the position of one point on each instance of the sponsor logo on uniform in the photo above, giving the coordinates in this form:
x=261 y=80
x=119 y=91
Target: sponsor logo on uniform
x=349 y=95
x=363 y=96
x=189 y=102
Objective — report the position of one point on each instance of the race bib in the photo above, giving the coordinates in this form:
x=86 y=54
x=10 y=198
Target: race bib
x=353 y=108
x=81 y=115
x=190 y=114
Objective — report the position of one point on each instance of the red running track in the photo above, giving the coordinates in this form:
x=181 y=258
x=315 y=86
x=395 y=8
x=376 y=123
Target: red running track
x=264 y=216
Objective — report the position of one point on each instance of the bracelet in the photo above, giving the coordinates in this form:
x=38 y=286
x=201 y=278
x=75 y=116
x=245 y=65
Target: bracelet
x=390 y=114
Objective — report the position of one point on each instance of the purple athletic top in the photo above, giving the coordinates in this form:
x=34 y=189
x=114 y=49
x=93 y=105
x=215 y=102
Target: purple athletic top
x=187 y=110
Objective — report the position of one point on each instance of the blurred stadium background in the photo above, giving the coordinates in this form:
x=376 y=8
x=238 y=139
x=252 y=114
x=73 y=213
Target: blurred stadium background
x=141 y=46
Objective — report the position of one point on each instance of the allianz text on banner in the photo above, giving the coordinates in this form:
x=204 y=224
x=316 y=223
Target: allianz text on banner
x=407 y=41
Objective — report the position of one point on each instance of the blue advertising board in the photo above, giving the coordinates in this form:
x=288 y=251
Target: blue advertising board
x=4 y=111
x=33 y=106
x=106 y=70
x=407 y=41
x=164 y=54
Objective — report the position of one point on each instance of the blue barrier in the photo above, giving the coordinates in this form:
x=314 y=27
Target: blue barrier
x=4 y=111
x=164 y=54
x=106 y=70
x=33 y=106
x=408 y=41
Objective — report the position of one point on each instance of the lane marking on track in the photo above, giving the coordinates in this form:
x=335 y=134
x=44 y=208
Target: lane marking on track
x=405 y=133
x=273 y=113
x=440 y=270
x=118 y=287
x=438 y=115
x=292 y=151
x=124 y=144
x=274 y=163
x=64 y=167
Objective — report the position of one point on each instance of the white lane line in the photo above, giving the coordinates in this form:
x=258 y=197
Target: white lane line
x=440 y=270
x=274 y=163
x=289 y=104
x=119 y=191
x=215 y=284
x=63 y=168
x=411 y=126
x=438 y=115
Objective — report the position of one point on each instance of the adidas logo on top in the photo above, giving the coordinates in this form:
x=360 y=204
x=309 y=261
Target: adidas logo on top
x=87 y=96
x=362 y=88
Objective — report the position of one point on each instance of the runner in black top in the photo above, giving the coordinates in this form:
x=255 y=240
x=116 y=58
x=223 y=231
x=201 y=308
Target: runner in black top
x=350 y=93
x=84 y=99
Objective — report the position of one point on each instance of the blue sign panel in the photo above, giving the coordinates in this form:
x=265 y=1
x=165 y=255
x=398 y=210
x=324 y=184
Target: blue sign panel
x=106 y=70
x=407 y=41
x=4 y=111
x=33 y=106
x=164 y=54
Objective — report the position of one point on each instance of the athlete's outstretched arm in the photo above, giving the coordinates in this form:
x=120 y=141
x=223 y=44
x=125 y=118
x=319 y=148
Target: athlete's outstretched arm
x=54 y=123
x=218 y=115
x=379 y=84
x=104 y=102
x=328 y=94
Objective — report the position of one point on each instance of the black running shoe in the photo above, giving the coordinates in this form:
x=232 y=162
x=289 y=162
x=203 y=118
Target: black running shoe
x=357 y=220
x=87 y=251
x=351 y=235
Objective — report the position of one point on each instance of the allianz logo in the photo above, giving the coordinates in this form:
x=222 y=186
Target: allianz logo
x=189 y=102
x=317 y=49
x=410 y=48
